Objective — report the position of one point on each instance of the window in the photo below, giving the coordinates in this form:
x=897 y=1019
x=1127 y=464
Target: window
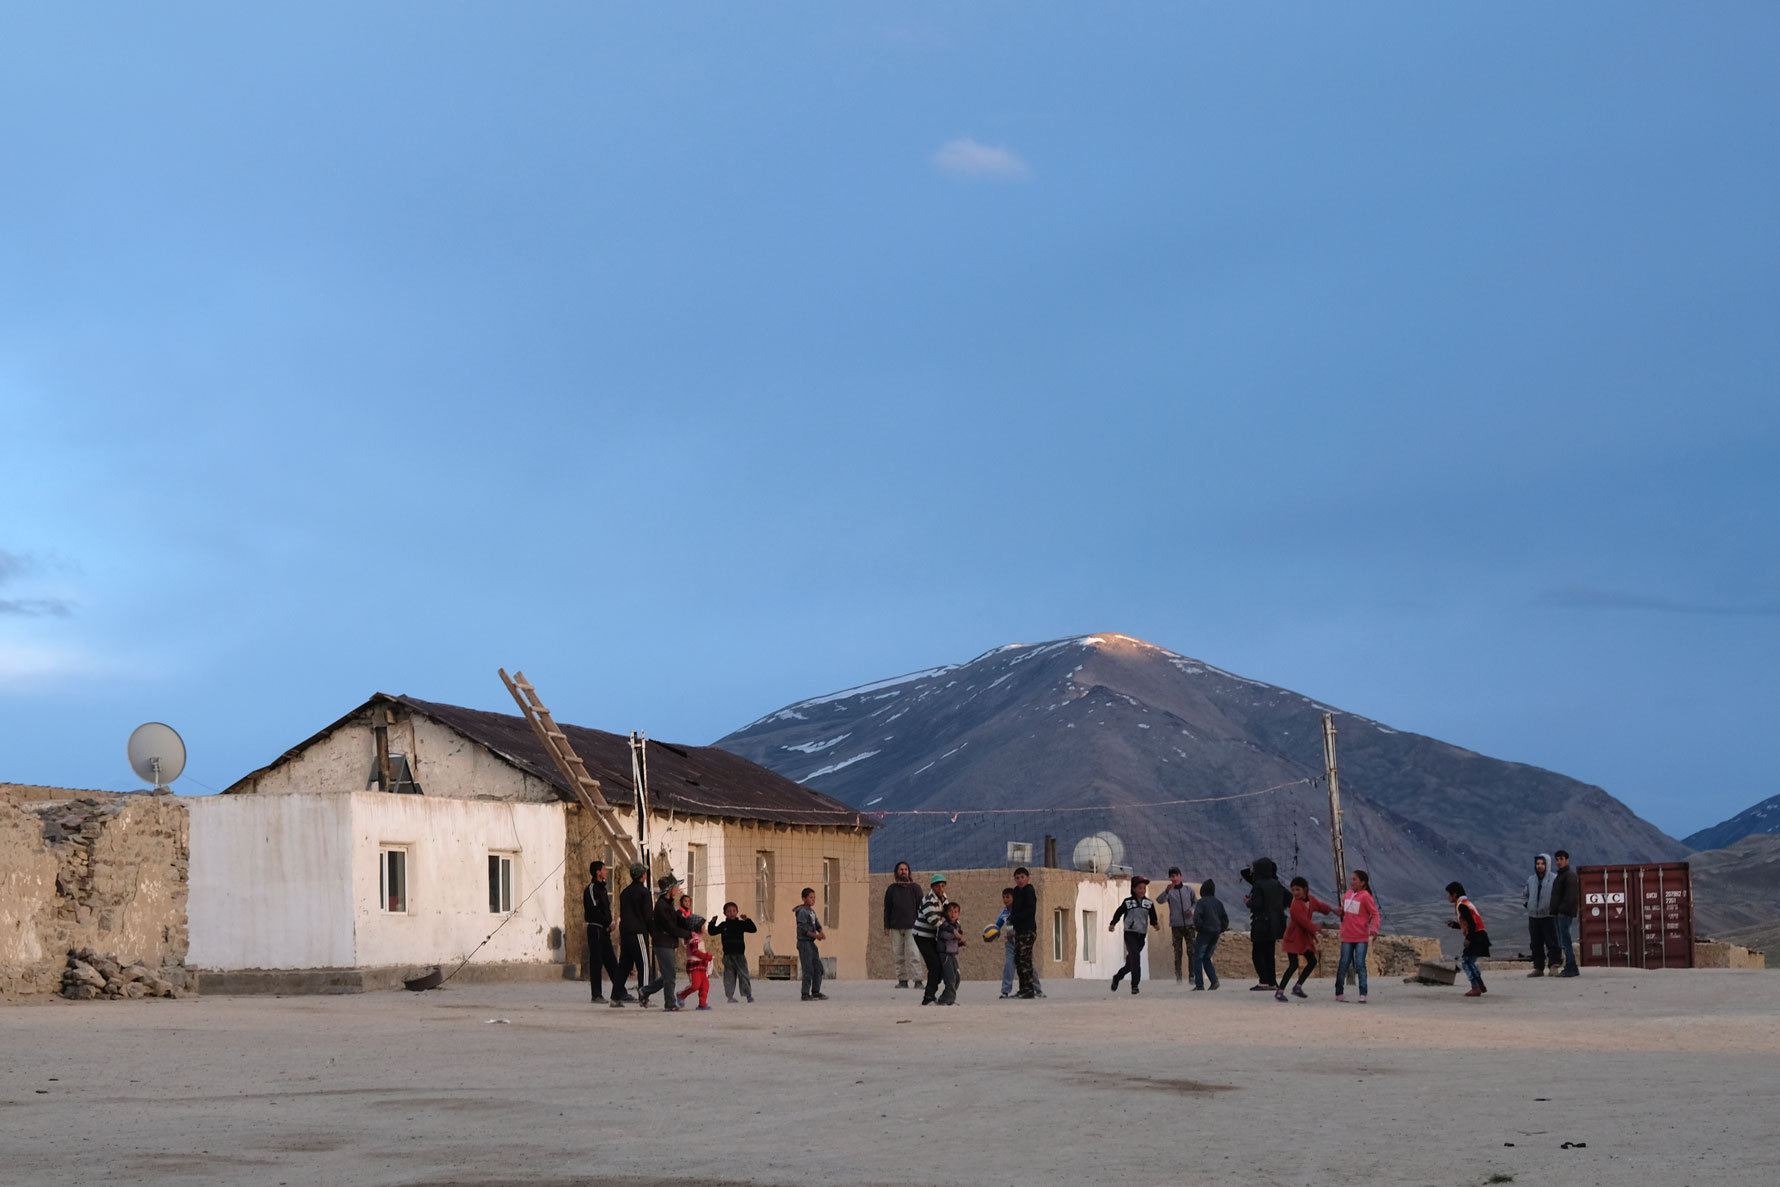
x=831 y=891
x=695 y=878
x=500 y=883
x=401 y=777
x=763 y=886
x=1089 y=919
x=1057 y=934
x=392 y=879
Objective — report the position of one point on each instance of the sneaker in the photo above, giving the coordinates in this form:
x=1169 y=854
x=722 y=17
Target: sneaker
x=1571 y=973
x=1259 y=988
x=1362 y=999
x=750 y=999
x=1341 y=997
x=616 y=1004
x=1474 y=991
x=1115 y=984
x=818 y=997
x=704 y=1007
x=1038 y=993
x=598 y=1000
x=1298 y=991
x=914 y=984
x=1198 y=989
x=1023 y=996
x=1279 y=995
x=1482 y=988
x=1214 y=984
x=902 y=984
x=1537 y=973
x=1005 y=996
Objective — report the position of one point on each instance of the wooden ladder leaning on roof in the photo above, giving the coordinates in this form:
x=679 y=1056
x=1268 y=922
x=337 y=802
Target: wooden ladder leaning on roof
x=556 y=744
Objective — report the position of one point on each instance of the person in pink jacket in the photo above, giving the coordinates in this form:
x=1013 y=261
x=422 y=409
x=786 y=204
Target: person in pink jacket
x=1359 y=923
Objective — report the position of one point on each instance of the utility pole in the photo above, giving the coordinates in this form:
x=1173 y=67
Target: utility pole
x=1334 y=804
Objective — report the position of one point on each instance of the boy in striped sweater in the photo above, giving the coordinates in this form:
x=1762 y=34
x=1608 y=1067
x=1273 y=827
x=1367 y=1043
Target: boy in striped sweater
x=927 y=921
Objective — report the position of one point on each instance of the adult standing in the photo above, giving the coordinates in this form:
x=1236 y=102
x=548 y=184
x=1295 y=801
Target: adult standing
x=1179 y=898
x=1267 y=900
x=596 y=913
x=931 y=914
x=1566 y=903
x=1024 y=917
x=635 y=916
x=669 y=928
x=902 y=906
x=1542 y=932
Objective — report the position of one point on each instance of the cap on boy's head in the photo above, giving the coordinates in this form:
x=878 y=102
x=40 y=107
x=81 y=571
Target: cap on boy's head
x=937 y=880
x=638 y=870
x=1139 y=880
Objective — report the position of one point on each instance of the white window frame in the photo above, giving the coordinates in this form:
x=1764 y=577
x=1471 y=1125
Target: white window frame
x=1090 y=934
x=1057 y=935
x=507 y=859
x=765 y=884
x=698 y=861
x=384 y=853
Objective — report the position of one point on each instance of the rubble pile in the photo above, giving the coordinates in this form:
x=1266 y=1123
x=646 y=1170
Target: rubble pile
x=90 y=975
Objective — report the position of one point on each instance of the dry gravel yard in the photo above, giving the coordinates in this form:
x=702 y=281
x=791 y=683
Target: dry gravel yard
x=1668 y=1078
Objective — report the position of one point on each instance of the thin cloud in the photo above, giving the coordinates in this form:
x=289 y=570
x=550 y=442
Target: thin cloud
x=1589 y=597
x=964 y=157
x=13 y=566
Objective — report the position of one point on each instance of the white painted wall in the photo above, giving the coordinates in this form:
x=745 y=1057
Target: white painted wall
x=270 y=882
x=1103 y=896
x=448 y=842
x=290 y=881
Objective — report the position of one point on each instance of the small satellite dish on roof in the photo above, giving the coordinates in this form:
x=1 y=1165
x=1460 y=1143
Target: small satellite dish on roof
x=156 y=753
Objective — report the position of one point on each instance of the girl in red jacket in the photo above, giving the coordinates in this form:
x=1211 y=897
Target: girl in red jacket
x=698 y=968
x=1300 y=940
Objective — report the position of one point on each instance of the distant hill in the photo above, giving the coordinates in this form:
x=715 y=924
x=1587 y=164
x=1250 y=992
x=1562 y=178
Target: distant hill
x=1084 y=728
x=1737 y=888
x=1762 y=818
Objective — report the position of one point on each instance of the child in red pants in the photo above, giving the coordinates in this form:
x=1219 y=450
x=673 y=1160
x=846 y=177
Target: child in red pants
x=698 y=970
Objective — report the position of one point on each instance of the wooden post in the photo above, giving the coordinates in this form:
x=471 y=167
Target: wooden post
x=1334 y=804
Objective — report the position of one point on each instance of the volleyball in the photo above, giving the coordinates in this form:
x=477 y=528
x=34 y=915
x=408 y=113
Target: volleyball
x=990 y=932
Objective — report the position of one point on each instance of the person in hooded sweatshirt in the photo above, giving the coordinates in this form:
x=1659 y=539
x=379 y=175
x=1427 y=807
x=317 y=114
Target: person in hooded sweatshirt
x=1139 y=914
x=1542 y=932
x=1210 y=921
x=1359 y=923
x=1267 y=899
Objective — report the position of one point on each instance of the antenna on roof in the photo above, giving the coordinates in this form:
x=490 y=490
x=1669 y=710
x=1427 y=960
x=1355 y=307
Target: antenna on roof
x=156 y=753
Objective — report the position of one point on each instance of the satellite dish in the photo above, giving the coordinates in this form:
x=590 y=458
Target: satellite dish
x=156 y=753
x=1098 y=854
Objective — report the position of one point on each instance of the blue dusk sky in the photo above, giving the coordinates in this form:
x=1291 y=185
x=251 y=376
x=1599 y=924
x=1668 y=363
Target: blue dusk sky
x=704 y=357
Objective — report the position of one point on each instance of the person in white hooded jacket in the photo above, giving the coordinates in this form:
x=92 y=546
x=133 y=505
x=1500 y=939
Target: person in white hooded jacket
x=1542 y=932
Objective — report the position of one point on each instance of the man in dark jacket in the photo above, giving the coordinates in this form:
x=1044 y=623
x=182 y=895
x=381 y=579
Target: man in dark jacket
x=1542 y=932
x=1566 y=904
x=596 y=912
x=1267 y=899
x=669 y=927
x=902 y=903
x=634 y=924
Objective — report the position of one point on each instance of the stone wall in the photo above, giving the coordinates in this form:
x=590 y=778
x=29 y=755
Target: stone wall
x=1716 y=954
x=99 y=871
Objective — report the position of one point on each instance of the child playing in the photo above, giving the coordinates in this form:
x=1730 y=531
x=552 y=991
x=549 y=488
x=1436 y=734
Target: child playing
x=698 y=966
x=1359 y=923
x=1005 y=929
x=734 y=928
x=809 y=931
x=1210 y=921
x=951 y=938
x=1139 y=913
x=1477 y=939
x=1300 y=939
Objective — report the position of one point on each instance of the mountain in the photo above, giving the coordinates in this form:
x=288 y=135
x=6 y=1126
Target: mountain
x=1762 y=818
x=1181 y=760
x=1737 y=888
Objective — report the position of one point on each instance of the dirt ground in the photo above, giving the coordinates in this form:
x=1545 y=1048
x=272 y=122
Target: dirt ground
x=1653 y=1077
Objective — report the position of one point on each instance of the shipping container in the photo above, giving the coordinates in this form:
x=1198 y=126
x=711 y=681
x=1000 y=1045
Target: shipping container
x=1636 y=917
